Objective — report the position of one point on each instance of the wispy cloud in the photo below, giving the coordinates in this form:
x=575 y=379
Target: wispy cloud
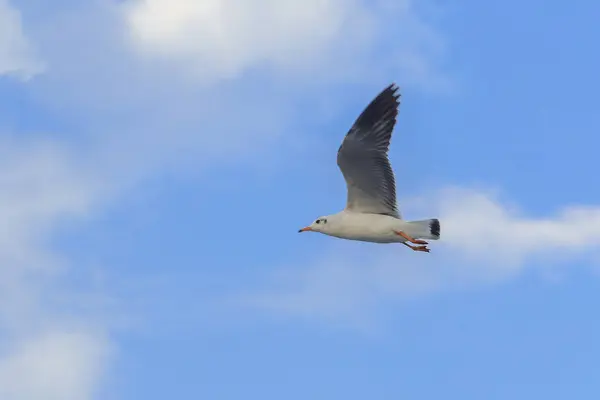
x=17 y=56
x=50 y=350
x=338 y=39
x=225 y=38
x=55 y=365
x=484 y=241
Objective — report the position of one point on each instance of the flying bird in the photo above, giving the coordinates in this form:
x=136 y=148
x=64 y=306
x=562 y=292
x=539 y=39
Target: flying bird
x=371 y=213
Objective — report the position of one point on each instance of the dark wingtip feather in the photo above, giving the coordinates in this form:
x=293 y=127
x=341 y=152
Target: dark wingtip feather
x=390 y=94
x=383 y=107
x=434 y=227
x=392 y=89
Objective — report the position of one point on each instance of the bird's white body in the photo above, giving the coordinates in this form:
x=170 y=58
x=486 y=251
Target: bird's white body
x=374 y=228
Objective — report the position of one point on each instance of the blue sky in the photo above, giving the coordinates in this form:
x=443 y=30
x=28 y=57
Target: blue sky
x=158 y=158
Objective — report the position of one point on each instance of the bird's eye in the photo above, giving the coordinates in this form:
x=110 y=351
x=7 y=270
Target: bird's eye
x=318 y=221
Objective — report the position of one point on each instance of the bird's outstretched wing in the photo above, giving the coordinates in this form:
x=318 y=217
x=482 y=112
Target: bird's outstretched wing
x=363 y=159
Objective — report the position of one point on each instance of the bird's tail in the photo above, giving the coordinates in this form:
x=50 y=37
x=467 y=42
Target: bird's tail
x=425 y=229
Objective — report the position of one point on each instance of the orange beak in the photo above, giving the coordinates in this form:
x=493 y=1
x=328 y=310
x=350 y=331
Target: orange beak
x=308 y=228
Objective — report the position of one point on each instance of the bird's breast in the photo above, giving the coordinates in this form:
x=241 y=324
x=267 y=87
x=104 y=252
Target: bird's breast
x=368 y=228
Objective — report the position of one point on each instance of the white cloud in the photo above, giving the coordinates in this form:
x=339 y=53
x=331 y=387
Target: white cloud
x=16 y=53
x=56 y=365
x=344 y=39
x=225 y=38
x=483 y=228
x=484 y=241
x=48 y=350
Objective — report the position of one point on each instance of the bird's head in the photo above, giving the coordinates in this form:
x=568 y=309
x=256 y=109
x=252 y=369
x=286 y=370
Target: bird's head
x=321 y=224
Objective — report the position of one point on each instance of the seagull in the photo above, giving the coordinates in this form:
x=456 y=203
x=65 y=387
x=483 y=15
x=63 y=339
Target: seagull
x=371 y=213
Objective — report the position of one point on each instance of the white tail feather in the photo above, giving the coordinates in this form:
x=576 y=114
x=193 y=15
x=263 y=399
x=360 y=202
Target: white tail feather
x=425 y=229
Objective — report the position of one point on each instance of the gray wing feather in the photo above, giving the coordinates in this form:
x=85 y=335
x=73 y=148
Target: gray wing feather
x=363 y=159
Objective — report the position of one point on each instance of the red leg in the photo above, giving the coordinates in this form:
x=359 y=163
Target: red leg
x=417 y=248
x=410 y=239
